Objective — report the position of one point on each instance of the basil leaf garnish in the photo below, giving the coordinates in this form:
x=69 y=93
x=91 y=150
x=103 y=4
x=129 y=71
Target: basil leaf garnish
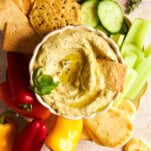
x=43 y=83
x=36 y=73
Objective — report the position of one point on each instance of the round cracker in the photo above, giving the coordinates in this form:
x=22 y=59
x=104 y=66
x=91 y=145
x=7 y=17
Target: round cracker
x=137 y=144
x=128 y=107
x=85 y=135
x=47 y=15
x=113 y=128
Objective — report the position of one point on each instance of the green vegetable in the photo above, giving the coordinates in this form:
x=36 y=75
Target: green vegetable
x=80 y=1
x=118 y=39
x=43 y=83
x=132 y=5
x=130 y=60
x=130 y=78
x=135 y=57
x=36 y=73
x=132 y=50
x=138 y=33
x=111 y=15
x=148 y=51
x=144 y=72
x=89 y=14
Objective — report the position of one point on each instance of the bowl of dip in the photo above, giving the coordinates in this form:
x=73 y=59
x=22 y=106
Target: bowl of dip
x=68 y=58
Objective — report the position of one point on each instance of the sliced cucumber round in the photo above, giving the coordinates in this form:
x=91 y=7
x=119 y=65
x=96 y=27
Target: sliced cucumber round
x=89 y=13
x=111 y=15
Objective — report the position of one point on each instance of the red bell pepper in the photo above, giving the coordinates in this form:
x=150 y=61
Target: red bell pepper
x=18 y=81
x=38 y=111
x=32 y=136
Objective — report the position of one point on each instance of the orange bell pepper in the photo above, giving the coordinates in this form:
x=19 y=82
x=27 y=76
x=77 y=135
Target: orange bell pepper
x=65 y=135
x=7 y=132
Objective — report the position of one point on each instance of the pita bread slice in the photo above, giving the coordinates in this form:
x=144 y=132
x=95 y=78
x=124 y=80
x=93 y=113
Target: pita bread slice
x=19 y=38
x=137 y=144
x=9 y=12
x=114 y=74
x=113 y=128
x=23 y=5
x=128 y=107
x=85 y=135
x=18 y=34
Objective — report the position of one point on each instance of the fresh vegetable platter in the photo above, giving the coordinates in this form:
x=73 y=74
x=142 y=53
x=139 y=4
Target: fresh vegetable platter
x=37 y=129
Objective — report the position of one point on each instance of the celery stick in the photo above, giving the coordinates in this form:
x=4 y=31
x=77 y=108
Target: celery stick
x=130 y=60
x=118 y=38
x=138 y=32
x=130 y=49
x=148 y=51
x=144 y=72
x=130 y=78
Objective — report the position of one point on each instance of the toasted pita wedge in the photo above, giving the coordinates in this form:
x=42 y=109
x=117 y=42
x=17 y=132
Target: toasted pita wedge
x=18 y=34
x=8 y=13
x=85 y=135
x=114 y=74
x=3 y=14
x=91 y=135
x=137 y=144
x=128 y=107
x=23 y=5
x=19 y=38
x=113 y=128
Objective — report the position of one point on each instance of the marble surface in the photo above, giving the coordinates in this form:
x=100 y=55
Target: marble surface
x=143 y=115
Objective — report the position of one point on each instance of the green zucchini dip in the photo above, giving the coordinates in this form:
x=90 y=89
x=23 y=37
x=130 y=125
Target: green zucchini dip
x=70 y=57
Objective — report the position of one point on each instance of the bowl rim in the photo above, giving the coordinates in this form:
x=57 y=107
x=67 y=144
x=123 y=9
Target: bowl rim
x=35 y=52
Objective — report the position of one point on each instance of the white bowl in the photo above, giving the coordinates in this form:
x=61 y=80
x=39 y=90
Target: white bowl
x=64 y=29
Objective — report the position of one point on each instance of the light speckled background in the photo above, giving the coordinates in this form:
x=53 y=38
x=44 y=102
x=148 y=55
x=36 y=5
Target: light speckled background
x=143 y=116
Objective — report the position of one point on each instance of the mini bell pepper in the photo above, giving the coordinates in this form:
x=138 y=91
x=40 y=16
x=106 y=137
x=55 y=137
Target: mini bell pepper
x=65 y=135
x=38 y=111
x=18 y=81
x=7 y=132
x=32 y=136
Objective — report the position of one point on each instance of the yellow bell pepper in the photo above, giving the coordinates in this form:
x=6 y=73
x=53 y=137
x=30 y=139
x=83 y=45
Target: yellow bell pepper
x=65 y=135
x=7 y=133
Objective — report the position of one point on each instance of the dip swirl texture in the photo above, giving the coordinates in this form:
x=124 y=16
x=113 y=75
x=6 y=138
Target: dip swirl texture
x=70 y=57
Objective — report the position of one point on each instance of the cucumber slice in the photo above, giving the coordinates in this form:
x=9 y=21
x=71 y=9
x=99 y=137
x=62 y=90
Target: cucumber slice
x=80 y=1
x=89 y=14
x=111 y=15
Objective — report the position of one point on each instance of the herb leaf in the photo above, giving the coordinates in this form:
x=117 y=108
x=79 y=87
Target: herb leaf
x=132 y=5
x=36 y=73
x=43 y=83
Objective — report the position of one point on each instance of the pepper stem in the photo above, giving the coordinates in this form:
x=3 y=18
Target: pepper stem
x=26 y=107
x=3 y=116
